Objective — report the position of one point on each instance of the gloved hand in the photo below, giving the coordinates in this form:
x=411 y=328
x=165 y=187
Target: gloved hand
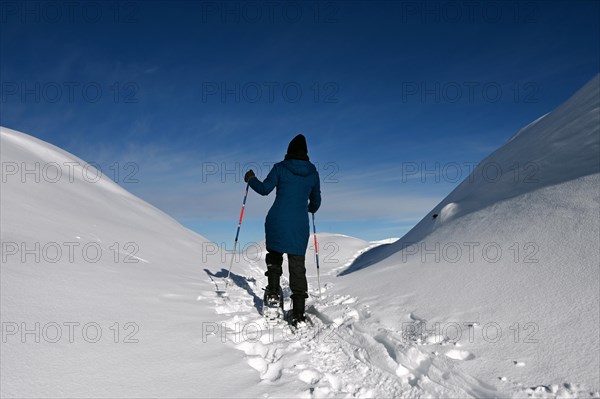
x=249 y=175
x=311 y=208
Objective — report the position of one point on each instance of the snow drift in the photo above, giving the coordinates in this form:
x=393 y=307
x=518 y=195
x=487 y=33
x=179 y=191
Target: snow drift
x=559 y=147
x=99 y=289
x=513 y=249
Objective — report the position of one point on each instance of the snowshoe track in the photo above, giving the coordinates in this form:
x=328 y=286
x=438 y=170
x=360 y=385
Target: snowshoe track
x=349 y=353
x=345 y=353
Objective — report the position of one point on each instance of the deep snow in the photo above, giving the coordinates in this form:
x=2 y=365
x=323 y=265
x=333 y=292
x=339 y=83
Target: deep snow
x=420 y=316
x=543 y=214
x=157 y=291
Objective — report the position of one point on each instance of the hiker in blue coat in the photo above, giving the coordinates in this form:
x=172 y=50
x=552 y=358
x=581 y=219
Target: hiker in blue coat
x=287 y=228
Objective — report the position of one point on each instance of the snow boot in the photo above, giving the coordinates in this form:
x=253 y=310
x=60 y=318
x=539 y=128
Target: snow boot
x=297 y=315
x=273 y=290
x=273 y=299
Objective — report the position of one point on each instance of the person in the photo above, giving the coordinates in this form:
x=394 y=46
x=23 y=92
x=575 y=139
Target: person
x=287 y=227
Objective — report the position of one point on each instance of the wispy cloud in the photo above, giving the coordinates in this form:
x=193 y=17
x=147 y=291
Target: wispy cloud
x=181 y=184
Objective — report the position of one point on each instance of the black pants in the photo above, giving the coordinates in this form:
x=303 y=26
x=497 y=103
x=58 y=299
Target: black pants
x=298 y=283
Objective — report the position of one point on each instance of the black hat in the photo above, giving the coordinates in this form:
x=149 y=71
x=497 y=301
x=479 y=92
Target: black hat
x=297 y=148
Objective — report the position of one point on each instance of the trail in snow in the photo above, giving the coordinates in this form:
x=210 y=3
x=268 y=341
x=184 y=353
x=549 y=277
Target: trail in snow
x=346 y=354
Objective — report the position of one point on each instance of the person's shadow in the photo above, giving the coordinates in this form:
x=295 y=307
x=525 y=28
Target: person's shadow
x=238 y=280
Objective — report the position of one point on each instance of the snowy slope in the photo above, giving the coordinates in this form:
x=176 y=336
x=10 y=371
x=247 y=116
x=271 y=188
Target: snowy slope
x=546 y=277
x=559 y=147
x=157 y=289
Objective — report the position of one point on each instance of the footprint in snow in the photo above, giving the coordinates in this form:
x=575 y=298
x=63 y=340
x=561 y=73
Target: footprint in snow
x=309 y=376
x=459 y=355
x=258 y=363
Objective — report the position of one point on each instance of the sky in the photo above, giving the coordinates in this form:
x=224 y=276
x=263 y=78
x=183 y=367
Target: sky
x=398 y=100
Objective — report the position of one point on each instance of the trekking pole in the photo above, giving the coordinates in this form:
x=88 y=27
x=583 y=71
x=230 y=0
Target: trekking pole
x=237 y=234
x=317 y=255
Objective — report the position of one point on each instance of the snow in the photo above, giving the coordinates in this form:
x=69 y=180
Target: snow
x=544 y=284
x=159 y=295
x=497 y=296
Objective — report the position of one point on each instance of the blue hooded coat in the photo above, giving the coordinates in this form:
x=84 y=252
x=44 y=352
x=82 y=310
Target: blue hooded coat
x=287 y=228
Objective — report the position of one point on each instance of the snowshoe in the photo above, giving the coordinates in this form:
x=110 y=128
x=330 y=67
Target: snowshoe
x=273 y=306
x=298 y=323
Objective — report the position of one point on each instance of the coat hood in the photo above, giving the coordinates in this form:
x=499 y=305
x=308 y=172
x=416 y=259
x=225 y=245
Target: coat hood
x=299 y=167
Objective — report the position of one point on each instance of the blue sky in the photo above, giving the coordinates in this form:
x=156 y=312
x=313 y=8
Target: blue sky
x=184 y=96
